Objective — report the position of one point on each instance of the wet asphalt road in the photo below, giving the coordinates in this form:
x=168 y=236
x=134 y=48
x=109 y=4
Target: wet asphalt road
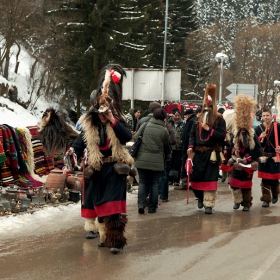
x=177 y=242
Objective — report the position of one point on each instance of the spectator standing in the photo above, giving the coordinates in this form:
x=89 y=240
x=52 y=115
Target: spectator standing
x=190 y=117
x=152 y=106
x=176 y=159
x=163 y=180
x=149 y=162
x=132 y=119
x=259 y=113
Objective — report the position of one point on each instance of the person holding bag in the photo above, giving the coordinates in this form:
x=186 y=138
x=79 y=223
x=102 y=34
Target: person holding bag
x=149 y=161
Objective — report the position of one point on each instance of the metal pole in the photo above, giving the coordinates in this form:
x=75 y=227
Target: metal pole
x=164 y=54
x=221 y=81
x=132 y=89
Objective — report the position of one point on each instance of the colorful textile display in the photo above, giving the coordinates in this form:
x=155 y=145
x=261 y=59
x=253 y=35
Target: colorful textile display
x=43 y=164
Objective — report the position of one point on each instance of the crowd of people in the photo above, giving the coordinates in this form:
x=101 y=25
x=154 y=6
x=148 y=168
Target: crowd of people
x=214 y=139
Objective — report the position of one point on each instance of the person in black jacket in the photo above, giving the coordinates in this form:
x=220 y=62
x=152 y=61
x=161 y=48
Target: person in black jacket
x=190 y=116
x=153 y=105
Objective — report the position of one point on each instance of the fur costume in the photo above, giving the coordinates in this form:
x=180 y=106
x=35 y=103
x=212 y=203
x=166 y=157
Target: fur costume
x=102 y=232
x=230 y=116
x=91 y=137
x=209 y=198
x=209 y=107
x=247 y=197
x=105 y=190
x=236 y=195
x=269 y=168
x=246 y=150
x=90 y=225
x=109 y=92
x=55 y=133
x=266 y=193
x=206 y=139
x=115 y=227
x=244 y=107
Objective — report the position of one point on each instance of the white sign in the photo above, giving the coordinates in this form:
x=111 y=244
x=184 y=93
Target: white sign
x=146 y=84
x=247 y=89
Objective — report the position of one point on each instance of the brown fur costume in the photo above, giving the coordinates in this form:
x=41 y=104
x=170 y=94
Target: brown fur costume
x=247 y=197
x=115 y=227
x=107 y=96
x=55 y=133
x=244 y=107
x=266 y=195
x=209 y=107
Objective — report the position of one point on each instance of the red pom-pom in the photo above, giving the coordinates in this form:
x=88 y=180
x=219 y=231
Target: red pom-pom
x=116 y=76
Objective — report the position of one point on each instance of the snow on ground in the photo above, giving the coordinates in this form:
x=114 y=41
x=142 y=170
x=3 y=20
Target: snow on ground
x=46 y=219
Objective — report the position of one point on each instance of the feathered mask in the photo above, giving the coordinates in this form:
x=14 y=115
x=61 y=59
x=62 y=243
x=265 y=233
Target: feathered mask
x=244 y=108
x=209 y=107
x=109 y=92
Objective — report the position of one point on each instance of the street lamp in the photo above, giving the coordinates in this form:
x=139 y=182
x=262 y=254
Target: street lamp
x=221 y=58
x=164 y=53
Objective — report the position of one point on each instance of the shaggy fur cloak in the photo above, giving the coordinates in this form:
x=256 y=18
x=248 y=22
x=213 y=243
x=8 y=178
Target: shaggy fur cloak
x=244 y=107
x=54 y=133
x=92 y=139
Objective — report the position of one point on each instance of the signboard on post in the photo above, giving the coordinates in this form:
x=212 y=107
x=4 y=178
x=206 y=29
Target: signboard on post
x=247 y=89
x=146 y=84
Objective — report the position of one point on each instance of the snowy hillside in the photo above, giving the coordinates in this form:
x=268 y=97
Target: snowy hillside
x=13 y=114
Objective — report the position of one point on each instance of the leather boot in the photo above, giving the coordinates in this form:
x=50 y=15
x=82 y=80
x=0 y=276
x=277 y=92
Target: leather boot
x=236 y=206
x=265 y=204
x=208 y=210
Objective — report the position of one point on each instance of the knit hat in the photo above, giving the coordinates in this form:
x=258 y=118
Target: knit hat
x=176 y=111
x=189 y=111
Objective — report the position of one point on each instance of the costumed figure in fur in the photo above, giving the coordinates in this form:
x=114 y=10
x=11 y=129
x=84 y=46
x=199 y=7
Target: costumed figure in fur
x=269 y=164
x=54 y=133
x=229 y=117
x=104 y=134
x=206 y=144
x=246 y=151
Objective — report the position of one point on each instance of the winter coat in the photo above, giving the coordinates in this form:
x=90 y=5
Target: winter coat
x=131 y=120
x=177 y=127
x=186 y=132
x=152 y=151
x=143 y=120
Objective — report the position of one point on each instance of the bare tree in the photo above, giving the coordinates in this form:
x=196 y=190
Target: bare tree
x=17 y=22
x=257 y=56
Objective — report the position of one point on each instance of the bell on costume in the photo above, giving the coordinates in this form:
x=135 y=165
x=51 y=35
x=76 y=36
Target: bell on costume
x=213 y=157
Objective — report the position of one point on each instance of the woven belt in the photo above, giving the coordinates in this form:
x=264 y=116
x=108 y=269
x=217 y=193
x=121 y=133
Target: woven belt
x=269 y=154
x=202 y=149
x=107 y=159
